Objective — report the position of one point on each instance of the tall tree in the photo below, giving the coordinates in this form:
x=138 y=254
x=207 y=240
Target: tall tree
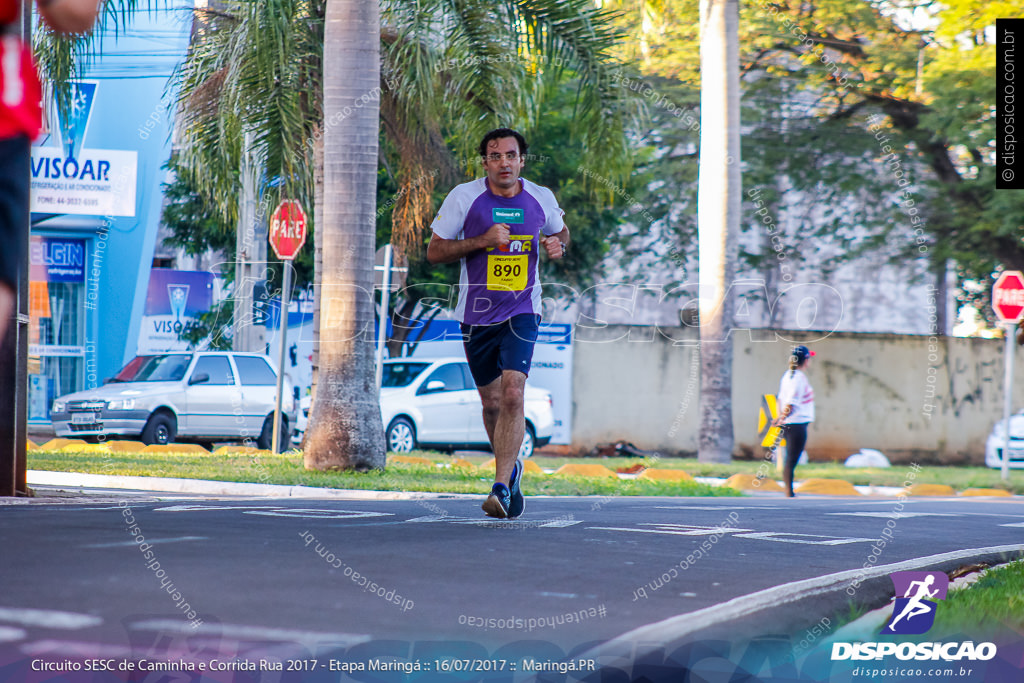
x=345 y=429
x=718 y=217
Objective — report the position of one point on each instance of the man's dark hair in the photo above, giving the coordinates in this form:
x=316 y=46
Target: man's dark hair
x=499 y=133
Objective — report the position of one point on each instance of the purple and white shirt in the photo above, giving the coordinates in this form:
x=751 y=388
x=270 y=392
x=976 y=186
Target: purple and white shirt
x=498 y=283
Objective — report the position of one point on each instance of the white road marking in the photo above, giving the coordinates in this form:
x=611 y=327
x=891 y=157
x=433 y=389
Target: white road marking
x=202 y=508
x=243 y=632
x=451 y=519
x=677 y=529
x=712 y=508
x=316 y=513
x=278 y=511
x=48 y=618
x=154 y=541
x=75 y=649
x=8 y=634
x=803 y=539
x=900 y=515
x=775 y=536
x=1016 y=525
x=558 y=595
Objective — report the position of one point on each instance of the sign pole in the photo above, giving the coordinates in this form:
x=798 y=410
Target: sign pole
x=382 y=326
x=287 y=234
x=282 y=328
x=1011 y=335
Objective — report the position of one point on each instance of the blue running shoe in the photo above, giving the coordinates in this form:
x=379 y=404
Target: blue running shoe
x=498 y=502
x=517 y=503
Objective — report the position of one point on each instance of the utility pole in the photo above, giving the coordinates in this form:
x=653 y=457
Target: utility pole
x=251 y=258
x=14 y=356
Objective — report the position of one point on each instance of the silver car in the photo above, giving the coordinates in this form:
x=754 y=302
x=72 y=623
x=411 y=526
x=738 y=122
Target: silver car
x=433 y=403
x=997 y=441
x=203 y=397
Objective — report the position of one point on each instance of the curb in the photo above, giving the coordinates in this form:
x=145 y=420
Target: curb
x=224 y=488
x=783 y=609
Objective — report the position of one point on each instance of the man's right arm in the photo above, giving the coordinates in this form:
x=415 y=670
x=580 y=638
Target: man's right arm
x=441 y=250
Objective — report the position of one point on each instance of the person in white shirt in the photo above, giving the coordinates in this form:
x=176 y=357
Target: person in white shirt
x=796 y=410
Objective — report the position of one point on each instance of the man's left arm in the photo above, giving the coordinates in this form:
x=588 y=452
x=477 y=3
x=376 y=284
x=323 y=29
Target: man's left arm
x=556 y=244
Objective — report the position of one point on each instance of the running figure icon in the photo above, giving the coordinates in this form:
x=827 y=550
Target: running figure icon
x=915 y=606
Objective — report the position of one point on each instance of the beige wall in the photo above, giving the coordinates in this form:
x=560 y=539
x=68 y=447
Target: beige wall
x=915 y=398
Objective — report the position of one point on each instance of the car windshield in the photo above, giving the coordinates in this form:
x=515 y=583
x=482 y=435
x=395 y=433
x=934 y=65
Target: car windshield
x=168 y=367
x=401 y=374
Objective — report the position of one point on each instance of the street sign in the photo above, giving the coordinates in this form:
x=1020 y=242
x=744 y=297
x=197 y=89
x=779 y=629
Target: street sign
x=1008 y=296
x=287 y=229
x=287 y=235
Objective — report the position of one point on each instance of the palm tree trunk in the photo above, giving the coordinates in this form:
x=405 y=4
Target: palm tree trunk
x=318 y=250
x=718 y=215
x=345 y=430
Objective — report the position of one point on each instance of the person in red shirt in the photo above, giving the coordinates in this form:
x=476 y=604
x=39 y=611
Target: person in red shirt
x=20 y=122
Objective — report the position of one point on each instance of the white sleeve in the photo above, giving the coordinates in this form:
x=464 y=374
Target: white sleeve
x=553 y=223
x=787 y=389
x=451 y=217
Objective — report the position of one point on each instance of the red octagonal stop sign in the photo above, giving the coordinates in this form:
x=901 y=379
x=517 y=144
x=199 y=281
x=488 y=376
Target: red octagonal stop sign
x=1008 y=296
x=287 y=229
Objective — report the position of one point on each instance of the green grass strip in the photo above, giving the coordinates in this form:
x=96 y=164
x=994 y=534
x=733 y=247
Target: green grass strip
x=287 y=469
x=991 y=606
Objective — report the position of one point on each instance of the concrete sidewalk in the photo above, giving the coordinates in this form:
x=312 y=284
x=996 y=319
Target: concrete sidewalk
x=72 y=480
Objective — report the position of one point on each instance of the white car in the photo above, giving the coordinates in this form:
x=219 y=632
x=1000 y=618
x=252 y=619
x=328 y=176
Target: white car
x=996 y=442
x=434 y=404
x=204 y=396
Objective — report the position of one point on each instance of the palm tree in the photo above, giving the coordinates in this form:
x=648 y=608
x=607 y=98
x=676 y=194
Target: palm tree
x=345 y=424
x=718 y=217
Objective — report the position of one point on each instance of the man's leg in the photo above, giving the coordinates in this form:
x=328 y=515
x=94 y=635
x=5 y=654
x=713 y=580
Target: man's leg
x=490 y=398
x=503 y=408
x=511 y=424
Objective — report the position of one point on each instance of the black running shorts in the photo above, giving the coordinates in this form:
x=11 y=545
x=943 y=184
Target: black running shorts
x=508 y=345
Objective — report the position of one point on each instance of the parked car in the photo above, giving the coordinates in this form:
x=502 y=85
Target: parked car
x=204 y=397
x=994 y=445
x=301 y=420
x=434 y=404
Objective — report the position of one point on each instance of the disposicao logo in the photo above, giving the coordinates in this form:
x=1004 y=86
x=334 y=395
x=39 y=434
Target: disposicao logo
x=914 y=613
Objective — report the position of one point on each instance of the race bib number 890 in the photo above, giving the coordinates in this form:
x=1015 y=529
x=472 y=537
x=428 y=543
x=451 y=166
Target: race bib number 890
x=506 y=273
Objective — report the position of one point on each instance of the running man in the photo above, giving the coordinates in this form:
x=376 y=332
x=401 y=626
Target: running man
x=914 y=606
x=496 y=226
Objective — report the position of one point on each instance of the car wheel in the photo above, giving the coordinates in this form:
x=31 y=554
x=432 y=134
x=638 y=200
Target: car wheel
x=160 y=429
x=529 y=440
x=401 y=435
x=266 y=437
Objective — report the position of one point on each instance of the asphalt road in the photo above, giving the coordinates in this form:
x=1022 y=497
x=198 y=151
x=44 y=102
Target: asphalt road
x=323 y=584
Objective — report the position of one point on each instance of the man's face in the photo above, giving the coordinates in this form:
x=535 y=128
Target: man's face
x=503 y=163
